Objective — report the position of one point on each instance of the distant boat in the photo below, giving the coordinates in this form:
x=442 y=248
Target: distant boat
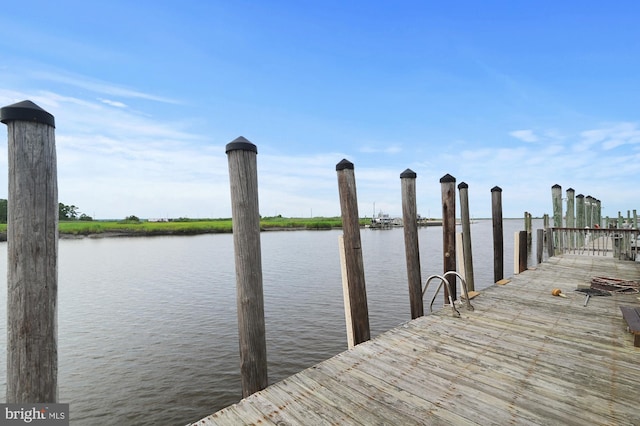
x=384 y=221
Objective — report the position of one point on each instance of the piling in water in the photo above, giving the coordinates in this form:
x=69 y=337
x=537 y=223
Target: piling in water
x=353 y=263
x=243 y=178
x=467 y=255
x=498 y=242
x=448 y=187
x=32 y=255
x=411 y=246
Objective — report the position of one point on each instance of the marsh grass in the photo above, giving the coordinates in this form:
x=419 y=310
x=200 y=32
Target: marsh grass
x=145 y=227
x=189 y=226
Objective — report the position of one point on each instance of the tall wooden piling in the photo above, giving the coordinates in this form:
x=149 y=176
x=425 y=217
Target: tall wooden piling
x=580 y=222
x=588 y=214
x=243 y=178
x=354 y=265
x=556 y=197
x=448 y=187
x=32 y=255
x=527 y=226
x=498 y=242
x=411 y=246
x=570 y=215
x=467 y=255
x=571 y=195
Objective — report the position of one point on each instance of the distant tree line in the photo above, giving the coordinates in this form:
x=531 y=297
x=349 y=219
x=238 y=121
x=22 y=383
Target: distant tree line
x=70 y=212
x=3 y=211
x=65 y=212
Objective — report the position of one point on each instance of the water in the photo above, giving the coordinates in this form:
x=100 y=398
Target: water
x=148 y=328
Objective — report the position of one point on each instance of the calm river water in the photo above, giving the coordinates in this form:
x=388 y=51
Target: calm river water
x=148 y=328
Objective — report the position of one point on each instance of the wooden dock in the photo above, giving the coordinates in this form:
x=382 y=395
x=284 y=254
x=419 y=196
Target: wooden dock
x=522 y=357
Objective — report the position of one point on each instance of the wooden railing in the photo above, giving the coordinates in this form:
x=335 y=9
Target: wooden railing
x=618 y=243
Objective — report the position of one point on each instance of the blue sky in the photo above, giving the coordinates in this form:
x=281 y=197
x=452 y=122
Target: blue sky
x=146 y=95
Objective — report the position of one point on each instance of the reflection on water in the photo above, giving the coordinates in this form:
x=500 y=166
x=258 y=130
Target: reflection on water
x=148 y=328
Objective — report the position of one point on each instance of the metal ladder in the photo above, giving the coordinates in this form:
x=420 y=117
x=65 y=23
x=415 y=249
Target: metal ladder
x=443 y=279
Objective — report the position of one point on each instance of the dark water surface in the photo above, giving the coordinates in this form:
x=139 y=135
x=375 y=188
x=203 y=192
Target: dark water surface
x=148 y=328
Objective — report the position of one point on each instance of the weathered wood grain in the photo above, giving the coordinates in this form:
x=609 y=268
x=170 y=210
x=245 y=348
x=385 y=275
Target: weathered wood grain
x=243 y=179
x=411 y=246
x=448 y=191
x=32 y=262
x=498 y=235
x=354 y=264
x=466 y=252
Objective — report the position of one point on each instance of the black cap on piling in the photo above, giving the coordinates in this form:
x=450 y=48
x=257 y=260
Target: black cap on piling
x=496 y=189
x=571 y=189
x=556 y=186
x=580 y=196
x=26 y=111
x=344 y=165
x=463 y=185
x=447 y=178
x=408 y=174
x=240 y=144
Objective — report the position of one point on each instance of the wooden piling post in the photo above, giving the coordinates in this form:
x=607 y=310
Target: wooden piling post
x=354 y=265
x=580 y=222
x=32 y=255
x=448 y=187
x=588 y=214
x=498 y=242
x=571 y=223
x=243 y=178
x=556 y=198
x=571 y=195
x=411 y=246
x=539 y=245
x=549 y=241
x=527 y=226
x=556 y=195
x=520 y=252
x=467 y=255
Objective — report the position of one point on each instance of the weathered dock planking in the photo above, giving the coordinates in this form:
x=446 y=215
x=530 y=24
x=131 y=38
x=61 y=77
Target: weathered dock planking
x=522 y=357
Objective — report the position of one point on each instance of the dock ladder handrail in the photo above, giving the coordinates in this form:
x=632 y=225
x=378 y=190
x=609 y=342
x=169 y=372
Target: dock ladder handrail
x=443 y=279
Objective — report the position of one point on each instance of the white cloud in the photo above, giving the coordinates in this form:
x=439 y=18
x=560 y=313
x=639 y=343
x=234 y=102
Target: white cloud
x=113 y=103
x=524 y=135
x=98 y=86
x=610 y=136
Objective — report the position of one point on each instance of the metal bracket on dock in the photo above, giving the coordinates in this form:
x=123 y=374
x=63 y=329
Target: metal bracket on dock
x=443 y=280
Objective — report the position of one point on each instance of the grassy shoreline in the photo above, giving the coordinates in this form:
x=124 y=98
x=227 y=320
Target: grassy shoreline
x=99 y=228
